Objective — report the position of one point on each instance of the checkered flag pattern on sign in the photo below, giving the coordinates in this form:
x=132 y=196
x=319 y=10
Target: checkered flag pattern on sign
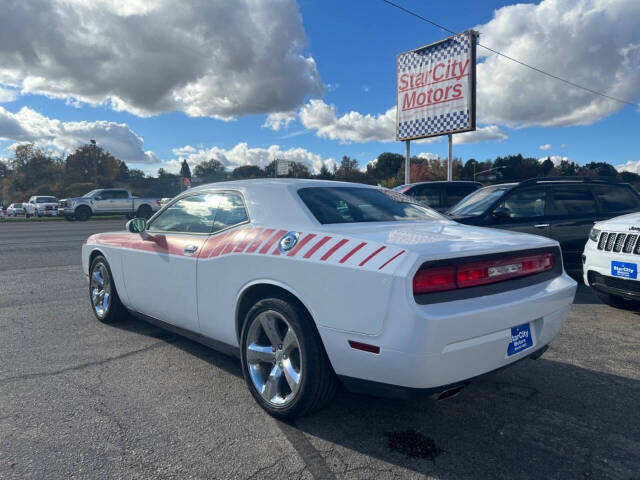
x=452 y=47
x=441 y=123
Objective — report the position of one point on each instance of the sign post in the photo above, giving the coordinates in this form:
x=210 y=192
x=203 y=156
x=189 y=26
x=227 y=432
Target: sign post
x=436 y=92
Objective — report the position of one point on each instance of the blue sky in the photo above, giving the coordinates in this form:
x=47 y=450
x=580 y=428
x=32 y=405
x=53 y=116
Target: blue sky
x=353 y=46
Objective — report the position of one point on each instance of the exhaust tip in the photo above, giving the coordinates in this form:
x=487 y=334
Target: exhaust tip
x=450 y=393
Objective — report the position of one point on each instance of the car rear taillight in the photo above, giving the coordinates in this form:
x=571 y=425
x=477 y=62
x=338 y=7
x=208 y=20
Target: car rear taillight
x=471 y=274
x=436 y=279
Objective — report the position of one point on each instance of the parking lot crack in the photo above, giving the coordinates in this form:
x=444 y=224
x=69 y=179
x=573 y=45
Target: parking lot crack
x=29 y=376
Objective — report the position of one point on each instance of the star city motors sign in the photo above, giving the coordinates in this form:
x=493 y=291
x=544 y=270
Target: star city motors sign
x=436 y=88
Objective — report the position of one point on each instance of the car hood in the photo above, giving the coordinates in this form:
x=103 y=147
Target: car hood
x=623 y=223
x=434 y=239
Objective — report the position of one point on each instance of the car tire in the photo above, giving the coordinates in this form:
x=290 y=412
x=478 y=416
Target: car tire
x=82 y=213
x=144 y=212
x=101 y=285
x=271 y=367
x=617 y=302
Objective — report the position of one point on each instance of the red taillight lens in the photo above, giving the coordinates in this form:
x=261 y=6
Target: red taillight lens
x=472 y=274
x=434 y=280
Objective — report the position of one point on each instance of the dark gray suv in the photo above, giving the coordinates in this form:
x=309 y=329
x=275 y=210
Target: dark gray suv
x=562 y=208
x=439 y=195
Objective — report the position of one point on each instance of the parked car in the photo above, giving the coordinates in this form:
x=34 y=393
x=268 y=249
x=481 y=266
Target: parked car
x=611 y=258
x=307 y=280
x=440 y=196
x=561 y=208
x=21 y=210
x=107 y=201
x=45 y=206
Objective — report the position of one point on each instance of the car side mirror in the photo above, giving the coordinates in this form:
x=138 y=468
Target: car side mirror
x=137 y=225
x=502 y=212
x=97 y=197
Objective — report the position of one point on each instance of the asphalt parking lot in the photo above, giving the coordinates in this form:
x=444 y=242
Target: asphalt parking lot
x=79 y=399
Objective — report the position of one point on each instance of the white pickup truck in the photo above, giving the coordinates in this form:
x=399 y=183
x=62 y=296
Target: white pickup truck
x=107 y=201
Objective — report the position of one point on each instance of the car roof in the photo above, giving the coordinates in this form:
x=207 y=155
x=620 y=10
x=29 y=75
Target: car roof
x=441 y=181
x=274 y=201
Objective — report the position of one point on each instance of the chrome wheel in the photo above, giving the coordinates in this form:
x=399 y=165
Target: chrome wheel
x=273 y=357
x=100 y=288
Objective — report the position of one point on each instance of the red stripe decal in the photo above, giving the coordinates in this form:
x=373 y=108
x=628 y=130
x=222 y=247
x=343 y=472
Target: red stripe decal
x=239 y=235
x=348 y=255
x=258 y=241
x=223 y=245
x=333 y=249
x=301 y=244
x=371 y=256
x=315 y=248
x=271 y=241
x=245 y=241
x=390 y=260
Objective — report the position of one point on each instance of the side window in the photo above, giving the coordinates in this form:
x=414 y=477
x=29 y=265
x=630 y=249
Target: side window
x=192 y=214
x=427 y=194
x=231 y=211
x=455 y=193
x=573 y=201
x=106 y=195
x=616 y=198
x=120 y=194
x=529 y=203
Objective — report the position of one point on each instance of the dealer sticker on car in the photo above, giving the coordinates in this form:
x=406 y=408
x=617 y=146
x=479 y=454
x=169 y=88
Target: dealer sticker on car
x=520 y=339
x=624 y=269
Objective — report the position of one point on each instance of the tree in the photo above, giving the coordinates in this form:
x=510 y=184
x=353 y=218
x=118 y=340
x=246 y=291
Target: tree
x=325 y=173
x=185 y=171
x=123 y=171
x=386 y=166
x=210 y=171
x=601 y=169
x=247 y=171
x=91 y=162
x=299 y=170
x=348 y=172
x=546 y=167
x=136 y=173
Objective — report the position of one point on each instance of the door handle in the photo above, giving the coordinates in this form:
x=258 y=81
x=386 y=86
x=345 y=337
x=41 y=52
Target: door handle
x=190 y=249
x=541 y=225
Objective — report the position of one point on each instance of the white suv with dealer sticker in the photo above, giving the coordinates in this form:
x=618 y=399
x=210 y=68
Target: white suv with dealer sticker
x=611 y=257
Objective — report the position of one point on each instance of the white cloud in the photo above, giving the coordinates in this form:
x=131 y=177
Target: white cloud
x=241 y=154
x=481 y=134
x=556 y=159
x=8 y=94
x=220 y=59
x=429 y=156
x=546 y=146
x=630 y=166
x=350 y=127
x=279 y=120
x=322 y=118
x=563 y=145
x=27 y=125
x=595 y=43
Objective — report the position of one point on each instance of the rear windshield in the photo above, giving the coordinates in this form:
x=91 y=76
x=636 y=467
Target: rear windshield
x=354 y=205
x=478 y=202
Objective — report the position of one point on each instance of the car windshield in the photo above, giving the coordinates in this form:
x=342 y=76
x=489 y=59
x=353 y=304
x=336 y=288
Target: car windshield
x=46 y=200
x=90 y=194
x=354 y=204
x=478 y=202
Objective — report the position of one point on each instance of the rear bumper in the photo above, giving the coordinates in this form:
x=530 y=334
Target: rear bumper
x=434 y=347
x=369 y=387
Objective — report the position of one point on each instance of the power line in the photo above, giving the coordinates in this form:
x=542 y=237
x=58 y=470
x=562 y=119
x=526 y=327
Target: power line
x=568 y=82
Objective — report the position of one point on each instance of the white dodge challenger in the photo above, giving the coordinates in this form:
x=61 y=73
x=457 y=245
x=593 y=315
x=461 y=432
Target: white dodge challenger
x=311 y=282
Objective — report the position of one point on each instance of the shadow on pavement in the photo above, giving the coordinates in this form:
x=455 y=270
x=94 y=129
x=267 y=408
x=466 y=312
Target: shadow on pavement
x=539 y=419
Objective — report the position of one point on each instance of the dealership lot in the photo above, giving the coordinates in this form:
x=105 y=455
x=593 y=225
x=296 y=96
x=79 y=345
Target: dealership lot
x=85 y=400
